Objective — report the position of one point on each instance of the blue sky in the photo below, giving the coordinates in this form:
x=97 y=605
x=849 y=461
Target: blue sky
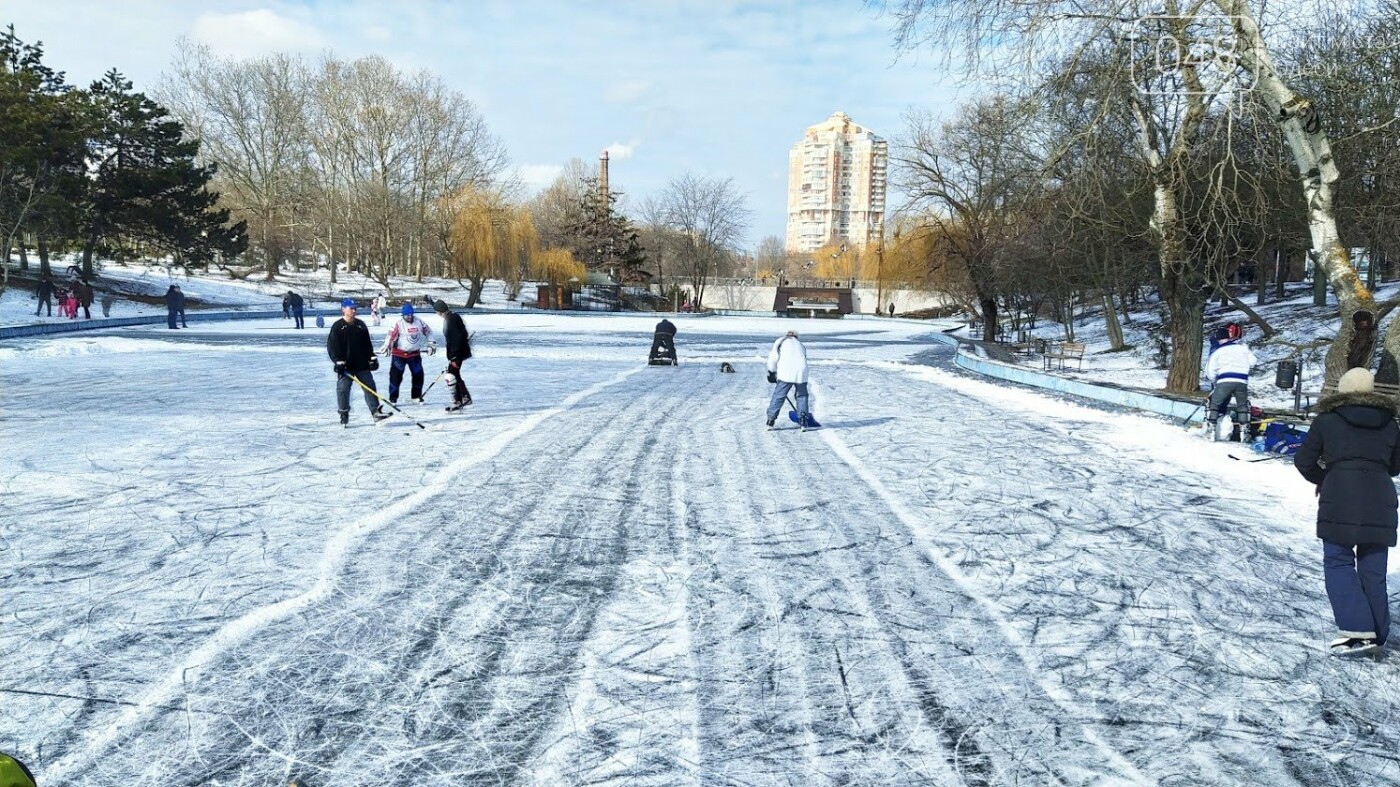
x=714 y=87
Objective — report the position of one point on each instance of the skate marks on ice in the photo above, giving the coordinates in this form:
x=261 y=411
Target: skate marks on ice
x=1178 y=601
x=831 y=650
x=98 y=750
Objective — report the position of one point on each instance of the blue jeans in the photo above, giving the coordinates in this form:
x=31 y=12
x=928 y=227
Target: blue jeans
x=342 y=392
x=415 y=367
x=780 y=391
x=1355 y=581
x=298 y=314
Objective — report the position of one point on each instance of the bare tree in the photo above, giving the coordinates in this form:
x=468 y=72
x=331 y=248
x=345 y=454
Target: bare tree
x=712 y=217
x=249 y=116
x=1012 y=37
x=966 y=178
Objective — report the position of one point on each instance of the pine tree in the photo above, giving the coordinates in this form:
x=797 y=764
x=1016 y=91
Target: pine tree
x=604 y=240
x=145 y=186
x=41 y=147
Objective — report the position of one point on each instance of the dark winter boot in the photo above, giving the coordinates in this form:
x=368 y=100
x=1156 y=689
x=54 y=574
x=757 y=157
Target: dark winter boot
x=770 y=422
x=344 y=417
x=381 y=414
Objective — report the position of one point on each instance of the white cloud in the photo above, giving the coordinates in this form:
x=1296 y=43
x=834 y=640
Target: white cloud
x=538 y=176
x=253 y=33
x=619 y=150
x=628 y=92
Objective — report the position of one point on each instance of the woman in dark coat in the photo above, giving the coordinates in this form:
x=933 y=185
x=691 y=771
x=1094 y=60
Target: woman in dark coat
x=1351 y=452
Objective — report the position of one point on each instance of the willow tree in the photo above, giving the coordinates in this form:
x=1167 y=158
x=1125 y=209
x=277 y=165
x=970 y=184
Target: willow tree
x=487 y=238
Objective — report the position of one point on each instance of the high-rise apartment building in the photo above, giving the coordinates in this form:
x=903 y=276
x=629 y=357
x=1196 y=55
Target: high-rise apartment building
x=836 y=185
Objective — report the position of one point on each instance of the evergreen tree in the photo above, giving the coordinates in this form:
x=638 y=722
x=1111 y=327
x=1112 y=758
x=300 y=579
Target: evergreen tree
x=604 y=240
x=41 y=147
x=145 y=186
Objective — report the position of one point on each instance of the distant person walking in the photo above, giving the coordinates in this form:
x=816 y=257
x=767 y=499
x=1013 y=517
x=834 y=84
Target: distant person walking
x=85 y=297
x=298 y=306
x=1352 y=451
x=352 y=353
x=172 y=299
x=44 y=292
x=457 y=343
x=107 y=300
x=787 y=369
x=180 y=306
x=376 y=308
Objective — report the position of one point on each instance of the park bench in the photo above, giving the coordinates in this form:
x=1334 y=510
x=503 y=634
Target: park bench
x=1330 y=387
x=1060 y=354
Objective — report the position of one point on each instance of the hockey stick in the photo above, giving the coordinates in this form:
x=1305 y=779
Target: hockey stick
x=381 y=398
x=431 y=384
x=1187 y=420
x=439 y=374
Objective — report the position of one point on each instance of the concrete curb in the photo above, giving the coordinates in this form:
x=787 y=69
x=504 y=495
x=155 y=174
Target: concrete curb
x=1182 y=410
x=46 y=328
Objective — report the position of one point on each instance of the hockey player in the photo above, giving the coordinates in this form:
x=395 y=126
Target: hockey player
x=458 y=346
x=787 y=367
x=1228 y=372
x=352 y=352
x=408 y=339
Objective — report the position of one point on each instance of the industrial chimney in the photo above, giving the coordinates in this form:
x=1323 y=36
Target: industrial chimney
x=603 y=182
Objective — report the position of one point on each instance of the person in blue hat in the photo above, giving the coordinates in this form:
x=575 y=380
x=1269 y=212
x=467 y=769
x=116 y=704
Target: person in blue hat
x=352 y=352
x=408 y=339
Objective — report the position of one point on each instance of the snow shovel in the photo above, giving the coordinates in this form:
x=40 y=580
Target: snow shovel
x=792 y=416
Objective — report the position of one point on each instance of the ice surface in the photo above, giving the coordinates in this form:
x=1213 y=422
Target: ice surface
x=603 y=572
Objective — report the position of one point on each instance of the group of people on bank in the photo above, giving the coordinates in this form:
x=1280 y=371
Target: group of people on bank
x=77 y=293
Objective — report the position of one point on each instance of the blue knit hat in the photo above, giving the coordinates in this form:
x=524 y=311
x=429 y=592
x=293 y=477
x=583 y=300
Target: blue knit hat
x=348 y=303
x=406 y=310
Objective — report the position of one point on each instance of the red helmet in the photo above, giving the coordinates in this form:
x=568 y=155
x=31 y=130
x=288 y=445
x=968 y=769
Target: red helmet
x=1233 y=331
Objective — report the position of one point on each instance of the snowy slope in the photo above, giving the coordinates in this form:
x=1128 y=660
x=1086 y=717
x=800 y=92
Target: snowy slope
x=608 y=573
x=1297 y=321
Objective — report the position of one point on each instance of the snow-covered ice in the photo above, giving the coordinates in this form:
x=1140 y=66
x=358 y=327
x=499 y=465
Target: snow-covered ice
x=608 y=573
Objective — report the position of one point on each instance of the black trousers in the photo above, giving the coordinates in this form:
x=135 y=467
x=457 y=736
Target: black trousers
x=663 y=345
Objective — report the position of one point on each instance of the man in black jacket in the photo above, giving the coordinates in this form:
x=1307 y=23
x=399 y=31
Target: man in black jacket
x=45 y=295
x=352 y=352
x=298 y=308
x=459 y=348
x=663 y=344
x=1352 y=451
x=172 y=306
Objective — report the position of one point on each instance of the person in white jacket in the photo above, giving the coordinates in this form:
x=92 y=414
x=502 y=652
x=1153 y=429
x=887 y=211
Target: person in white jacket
x=1227 y=371
x=407 y=340
x=787 y=368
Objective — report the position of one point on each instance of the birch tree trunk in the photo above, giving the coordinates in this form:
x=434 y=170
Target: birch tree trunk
x=1312 y=153
x=1115 y=328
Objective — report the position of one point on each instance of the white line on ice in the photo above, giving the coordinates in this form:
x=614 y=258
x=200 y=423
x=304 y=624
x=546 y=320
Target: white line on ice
x=338 y=550
x=916 y=525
